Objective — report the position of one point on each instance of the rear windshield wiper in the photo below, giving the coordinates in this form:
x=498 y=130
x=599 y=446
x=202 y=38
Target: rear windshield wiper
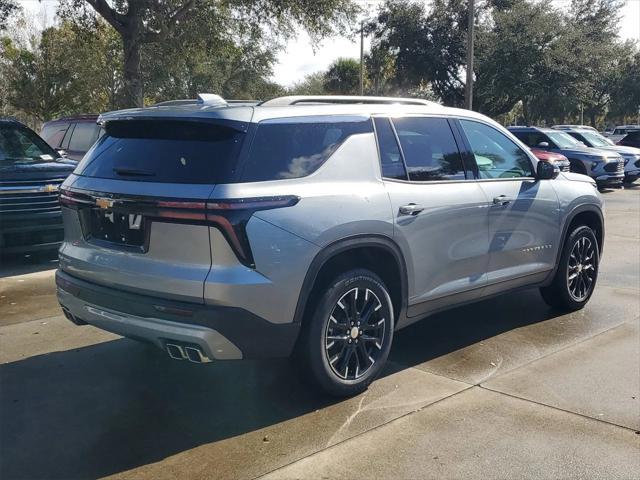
x=133 y=172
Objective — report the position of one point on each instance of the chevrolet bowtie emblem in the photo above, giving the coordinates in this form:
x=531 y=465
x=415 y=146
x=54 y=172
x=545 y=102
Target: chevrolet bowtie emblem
x=104 y=203
x=50 y=188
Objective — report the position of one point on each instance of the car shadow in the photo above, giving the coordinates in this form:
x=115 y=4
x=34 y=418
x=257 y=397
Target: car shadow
x=110 y=407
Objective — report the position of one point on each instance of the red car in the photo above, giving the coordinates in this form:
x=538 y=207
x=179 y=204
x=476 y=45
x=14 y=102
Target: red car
x=560 y=160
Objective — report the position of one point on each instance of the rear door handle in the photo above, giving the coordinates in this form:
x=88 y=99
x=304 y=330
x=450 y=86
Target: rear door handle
x=502 y=200
x=411 y=209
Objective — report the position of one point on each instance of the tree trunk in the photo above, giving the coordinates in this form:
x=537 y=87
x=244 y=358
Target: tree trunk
x=132 y=92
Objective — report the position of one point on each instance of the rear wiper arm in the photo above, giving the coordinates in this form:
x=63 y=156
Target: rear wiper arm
x=133 y=171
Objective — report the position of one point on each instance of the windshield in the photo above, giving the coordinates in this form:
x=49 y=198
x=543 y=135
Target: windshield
x=19 y=145
x=563 y=140
x=595 y=139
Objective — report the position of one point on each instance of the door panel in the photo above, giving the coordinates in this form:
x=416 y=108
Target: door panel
x=523 y=228
x=523 y=214
x=447 y=240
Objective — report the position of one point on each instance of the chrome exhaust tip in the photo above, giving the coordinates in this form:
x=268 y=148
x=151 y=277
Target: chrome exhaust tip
x=195 y=355
x=176 y=351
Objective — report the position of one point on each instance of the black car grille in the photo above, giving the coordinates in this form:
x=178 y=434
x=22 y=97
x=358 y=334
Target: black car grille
x=29 y=197
x=614 y=167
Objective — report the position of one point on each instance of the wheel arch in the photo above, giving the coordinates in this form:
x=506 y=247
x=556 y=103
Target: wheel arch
x=354 y=249
x=586 y=214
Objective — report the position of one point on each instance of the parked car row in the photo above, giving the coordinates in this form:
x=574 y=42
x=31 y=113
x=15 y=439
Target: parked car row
x=587 y=152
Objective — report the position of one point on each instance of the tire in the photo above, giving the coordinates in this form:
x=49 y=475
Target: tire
x=577 y=273
x=334 y=351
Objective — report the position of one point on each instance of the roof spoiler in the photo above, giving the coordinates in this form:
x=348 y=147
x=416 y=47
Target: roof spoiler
x=342 y=99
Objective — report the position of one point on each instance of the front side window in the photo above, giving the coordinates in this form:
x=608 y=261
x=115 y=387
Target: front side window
x=497 y=156
x=297 y=147
x=429 y=148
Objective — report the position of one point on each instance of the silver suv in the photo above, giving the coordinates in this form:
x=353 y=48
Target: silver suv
x=313 y=227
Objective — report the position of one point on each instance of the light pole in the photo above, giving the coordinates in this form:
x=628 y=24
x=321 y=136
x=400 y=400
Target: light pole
x=468 y=90
x=362 y=58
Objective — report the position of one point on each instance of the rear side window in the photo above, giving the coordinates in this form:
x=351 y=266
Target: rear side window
x=390 y=157
x=164 y=151
x=429 y=148
x=296 y=147
x=53 y=133
x=83 y=136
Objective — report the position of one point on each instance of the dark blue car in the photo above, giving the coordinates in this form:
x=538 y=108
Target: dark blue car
x=30 y=174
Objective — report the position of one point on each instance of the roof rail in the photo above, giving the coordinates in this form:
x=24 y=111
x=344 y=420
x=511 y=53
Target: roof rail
x=341 y=99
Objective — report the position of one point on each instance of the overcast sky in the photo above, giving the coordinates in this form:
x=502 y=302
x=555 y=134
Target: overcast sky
x=300 y=58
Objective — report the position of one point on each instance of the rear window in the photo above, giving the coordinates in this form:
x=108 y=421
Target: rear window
x=296 y=147
x=164 y=151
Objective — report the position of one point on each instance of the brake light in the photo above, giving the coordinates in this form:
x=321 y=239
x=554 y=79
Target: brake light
x=230 y=216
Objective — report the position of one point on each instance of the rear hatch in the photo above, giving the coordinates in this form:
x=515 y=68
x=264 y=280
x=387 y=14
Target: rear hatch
x=135 y=208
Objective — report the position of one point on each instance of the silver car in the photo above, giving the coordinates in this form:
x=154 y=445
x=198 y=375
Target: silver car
x=314 y=227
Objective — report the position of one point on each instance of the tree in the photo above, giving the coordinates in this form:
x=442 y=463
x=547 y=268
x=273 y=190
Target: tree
x=428 y=46
x=343 y=77
x=7 y=9
x=143 y=22
x=312 y=84
x=44 y=81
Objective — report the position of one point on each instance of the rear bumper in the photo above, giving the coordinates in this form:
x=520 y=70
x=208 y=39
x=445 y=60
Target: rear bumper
x=223 y=333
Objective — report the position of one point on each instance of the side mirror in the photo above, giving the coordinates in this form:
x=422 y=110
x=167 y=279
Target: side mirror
x=543 y=145
x=546 y=170
x=61 y=152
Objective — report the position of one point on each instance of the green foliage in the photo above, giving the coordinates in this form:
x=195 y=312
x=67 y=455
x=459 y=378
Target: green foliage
x=343 y=77
x=161 y=23
x=312 y=84
x=47 y=81
x=7 y=9
x=547 y=63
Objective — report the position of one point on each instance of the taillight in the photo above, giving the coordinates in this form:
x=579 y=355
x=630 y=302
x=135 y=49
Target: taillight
x=230 y=216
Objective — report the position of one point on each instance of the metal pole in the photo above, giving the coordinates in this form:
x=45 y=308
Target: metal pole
x=468 y=91
x=361 y=58
x=581 y=114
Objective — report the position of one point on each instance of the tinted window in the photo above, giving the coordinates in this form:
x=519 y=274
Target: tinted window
x=293 y=148
x=532 y=139
x=390 y=158
x=164 y=151
x=429 y=148
x=67 y=136
x=53 y=134
x=496 y=155
x=19 y=145
x=83 y=136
